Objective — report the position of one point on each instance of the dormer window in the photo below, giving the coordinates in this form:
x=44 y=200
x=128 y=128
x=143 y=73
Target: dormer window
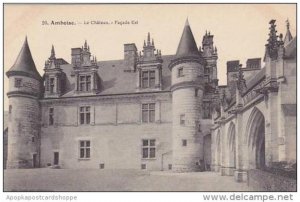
x=85 y=83
x=148 y=79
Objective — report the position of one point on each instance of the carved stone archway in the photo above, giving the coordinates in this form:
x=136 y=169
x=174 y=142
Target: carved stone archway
x=231 y=148
x=256 y=139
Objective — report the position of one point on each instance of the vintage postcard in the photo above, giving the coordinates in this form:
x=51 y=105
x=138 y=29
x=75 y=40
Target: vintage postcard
x=150 y=97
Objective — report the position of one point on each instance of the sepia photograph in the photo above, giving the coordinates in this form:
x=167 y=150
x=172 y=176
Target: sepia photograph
x=150 y=97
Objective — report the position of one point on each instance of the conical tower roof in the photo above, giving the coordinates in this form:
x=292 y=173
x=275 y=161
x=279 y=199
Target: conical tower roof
x=187 y=45
x=24 y=64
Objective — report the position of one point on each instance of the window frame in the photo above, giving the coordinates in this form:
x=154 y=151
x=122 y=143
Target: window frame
x=182 y=119
x=148 y=76
x=150 y=147
x=84 y=115
x=51 y=84
x=18 y=82
x=149 y=109
x=206 y=110
x=184 y=142
x=85 y=83
x=51 y=116
x=85 y=147
x=180 y=72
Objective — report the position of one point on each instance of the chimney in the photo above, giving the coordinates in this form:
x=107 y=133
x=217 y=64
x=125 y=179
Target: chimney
x=76 y=56
x=253 y=63
x=130 y=56
x=232 y=74
x=233 y=66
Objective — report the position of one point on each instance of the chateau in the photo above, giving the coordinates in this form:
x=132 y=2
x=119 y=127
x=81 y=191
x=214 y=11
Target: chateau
x=155 y=112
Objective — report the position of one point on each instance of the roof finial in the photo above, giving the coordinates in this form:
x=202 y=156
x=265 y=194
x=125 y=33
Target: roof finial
x=148 y=39
x=187 y=22
x=287 y=24
x=288 y=36
x=144 y=43
x=85 y=44
x=52 y=52
x=152 y=42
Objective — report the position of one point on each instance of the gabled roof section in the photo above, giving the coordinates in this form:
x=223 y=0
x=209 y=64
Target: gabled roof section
x=187 y=45
x=24 y=64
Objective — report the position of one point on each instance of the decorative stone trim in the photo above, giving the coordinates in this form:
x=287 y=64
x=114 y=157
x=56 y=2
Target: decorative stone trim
x=187 y=84
x=20 y=73
x=178 y=61
x=23 y=94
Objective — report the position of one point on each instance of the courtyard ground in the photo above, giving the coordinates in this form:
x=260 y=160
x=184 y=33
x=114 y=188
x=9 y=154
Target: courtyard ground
x=45 y=179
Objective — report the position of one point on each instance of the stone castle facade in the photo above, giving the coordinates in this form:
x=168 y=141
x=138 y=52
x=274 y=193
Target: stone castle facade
x=152 y=111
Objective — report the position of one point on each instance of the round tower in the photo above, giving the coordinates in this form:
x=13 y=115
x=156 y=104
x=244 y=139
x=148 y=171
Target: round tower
x=24 y=118
x=187 y=94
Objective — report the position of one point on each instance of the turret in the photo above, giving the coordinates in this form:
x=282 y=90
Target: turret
x=24 y=125
x=187 y=94
x=210 y=55
x=288 y=36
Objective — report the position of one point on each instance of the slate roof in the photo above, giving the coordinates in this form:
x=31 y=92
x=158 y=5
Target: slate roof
x=113 y=78
x=187 y=45
x=256 y=79
x=291 y=48
x=24 y=63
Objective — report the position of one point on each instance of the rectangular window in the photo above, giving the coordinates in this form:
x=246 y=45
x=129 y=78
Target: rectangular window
x=143 y=166
x=84 y=83
x=206 y=110
x=206 y=79
x=51 y=85
x=148 y=79
x=184 y=143
x=51 y=116
x=85 y=115
x=148 y=113
x=180 y=72
x=148 y=148
x=170 y=166
x=84 y=149
x=10 y=109
x=182 y=119
x=18 y=82
x=56 y=158
x=101 y=165
x=206 y=70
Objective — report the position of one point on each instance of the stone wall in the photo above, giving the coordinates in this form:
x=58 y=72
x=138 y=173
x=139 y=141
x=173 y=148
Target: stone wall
x=115 y=132
x=24 y=129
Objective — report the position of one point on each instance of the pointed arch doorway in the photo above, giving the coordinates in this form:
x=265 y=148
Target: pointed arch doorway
x=256 y=140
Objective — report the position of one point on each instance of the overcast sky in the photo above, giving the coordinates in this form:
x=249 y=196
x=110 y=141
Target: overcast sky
x=240 y=30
